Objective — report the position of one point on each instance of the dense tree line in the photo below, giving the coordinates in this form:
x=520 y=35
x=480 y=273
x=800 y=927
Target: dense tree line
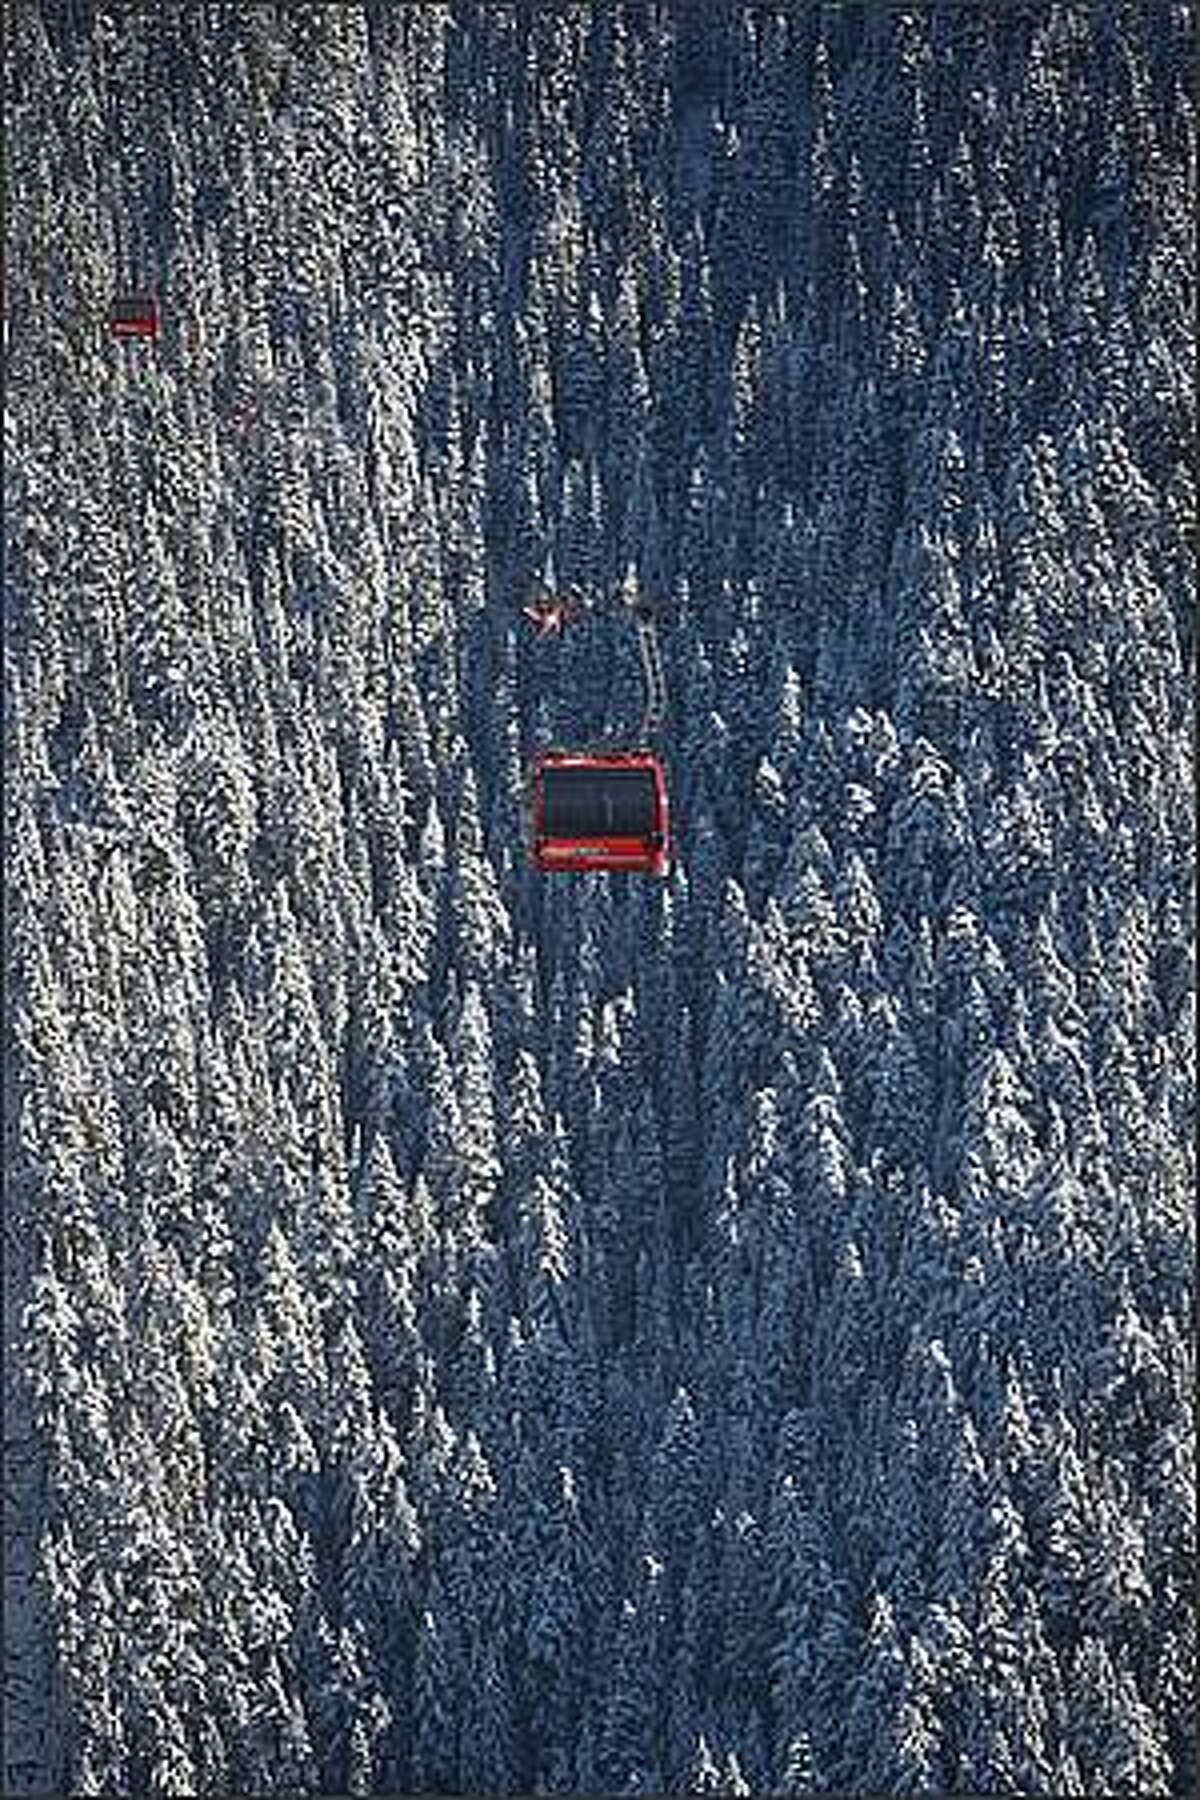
x=485 y=1333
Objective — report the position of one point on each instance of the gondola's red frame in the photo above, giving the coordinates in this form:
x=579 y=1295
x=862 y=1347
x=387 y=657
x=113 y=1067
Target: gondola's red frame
x=134 y=316
x=646 y=853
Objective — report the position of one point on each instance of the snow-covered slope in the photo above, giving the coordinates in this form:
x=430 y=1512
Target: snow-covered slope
x=490 y=1333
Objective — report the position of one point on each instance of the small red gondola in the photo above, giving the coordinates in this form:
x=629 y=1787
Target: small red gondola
x=134 y=316
x=599 y=811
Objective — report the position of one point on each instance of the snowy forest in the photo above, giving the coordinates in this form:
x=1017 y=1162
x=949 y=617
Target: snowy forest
x=469 y=1330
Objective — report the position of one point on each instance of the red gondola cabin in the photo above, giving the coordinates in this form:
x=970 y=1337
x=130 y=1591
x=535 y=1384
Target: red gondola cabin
x=134 y=316
x=606 y=811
